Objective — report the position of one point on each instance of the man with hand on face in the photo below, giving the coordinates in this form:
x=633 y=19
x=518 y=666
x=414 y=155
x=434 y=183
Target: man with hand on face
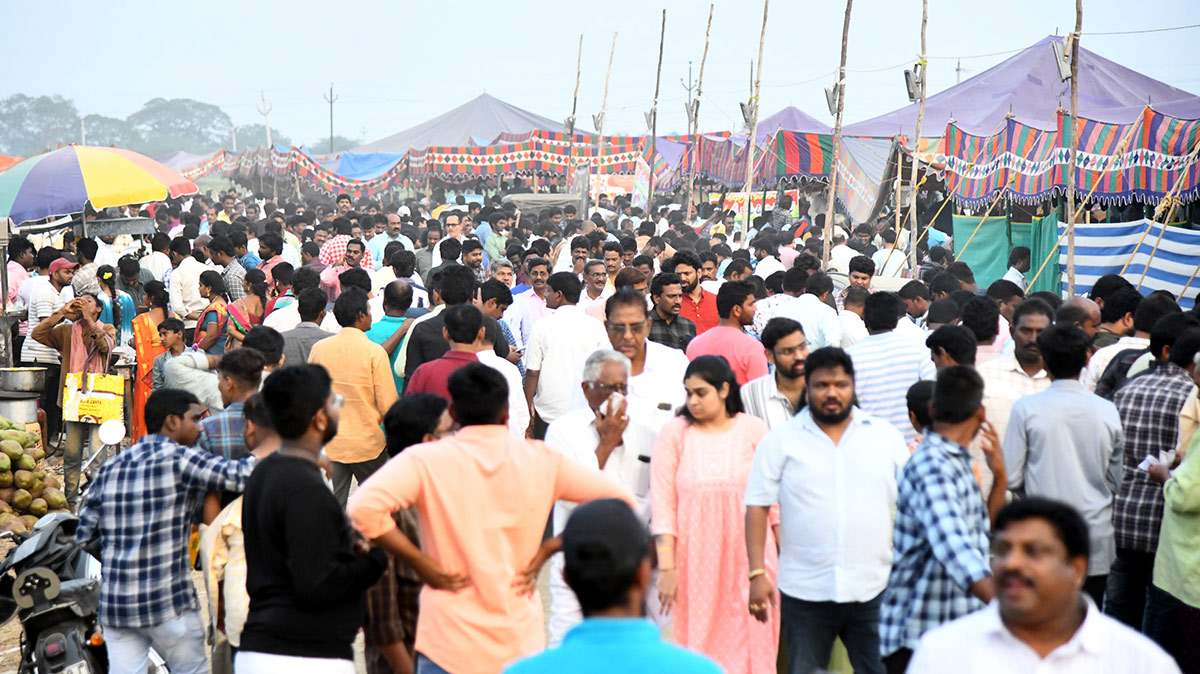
x=656 y=371
x=775 y=398
x=606 y=434
x=1042 y=620
x=832 y=472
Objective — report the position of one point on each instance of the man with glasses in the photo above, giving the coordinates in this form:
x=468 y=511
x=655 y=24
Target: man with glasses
x=595 y=284
x=609 y=435
x=776 y=397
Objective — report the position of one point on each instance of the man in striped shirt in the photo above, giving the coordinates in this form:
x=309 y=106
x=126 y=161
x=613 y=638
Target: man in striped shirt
x=887 y=364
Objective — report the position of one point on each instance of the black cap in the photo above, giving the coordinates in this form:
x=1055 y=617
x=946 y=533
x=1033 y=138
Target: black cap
x=605 y=531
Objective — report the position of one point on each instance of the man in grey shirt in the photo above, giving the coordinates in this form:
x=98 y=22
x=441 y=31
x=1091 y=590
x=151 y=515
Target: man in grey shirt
x=1066 y=443
x=297 y=342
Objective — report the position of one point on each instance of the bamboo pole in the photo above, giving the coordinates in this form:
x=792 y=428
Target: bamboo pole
x=571 y=131
x=912 y=201
x=598 y=141
x=662 y=34
x=750 y=140
x=1071 y=160
x=695 y=103
x=837 y=138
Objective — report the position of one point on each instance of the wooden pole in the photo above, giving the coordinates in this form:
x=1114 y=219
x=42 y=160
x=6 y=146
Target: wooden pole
x=750 y=140
x=912 y=177
x=604 y=105
x=1074 y=148
x=662 y=34
x=695 y=103
x=837 y=137
x=571 y=131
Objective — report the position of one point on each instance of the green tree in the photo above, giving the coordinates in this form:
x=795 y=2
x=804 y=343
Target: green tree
x=33 y=124
x=255 y=135
x=110 y=131
x=181 y=124
x=340 y=144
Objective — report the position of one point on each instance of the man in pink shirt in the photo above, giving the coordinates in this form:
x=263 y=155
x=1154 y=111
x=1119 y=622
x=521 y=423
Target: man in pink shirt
x=735 y=307
x=483 y=498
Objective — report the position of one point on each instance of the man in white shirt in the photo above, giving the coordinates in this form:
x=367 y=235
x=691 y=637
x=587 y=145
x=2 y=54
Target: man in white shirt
x=832 y=470
x=613 y=439
x=158 y=261
x=184 y=286
x=195 y=371
x=821 y=325
x=557 y=344
x=1149 y=310
x=853 y=328
x=890 y=261
x=595 y=284
x=518 y=408
x=767 y=254
x=1041 y=621
x=777 y=396
x=1019 y=261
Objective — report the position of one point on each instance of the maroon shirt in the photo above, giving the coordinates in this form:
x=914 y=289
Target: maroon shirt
x=431 y=377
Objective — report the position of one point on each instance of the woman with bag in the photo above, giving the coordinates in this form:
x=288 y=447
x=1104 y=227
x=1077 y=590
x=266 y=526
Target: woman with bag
x=85 y=343
x=210 y=327
x=698 y=479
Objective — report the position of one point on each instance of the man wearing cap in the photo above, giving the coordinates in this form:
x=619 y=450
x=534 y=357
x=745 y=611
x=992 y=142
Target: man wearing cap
x=606 y=553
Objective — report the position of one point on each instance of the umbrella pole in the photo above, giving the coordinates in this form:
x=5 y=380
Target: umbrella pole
x=8 y=359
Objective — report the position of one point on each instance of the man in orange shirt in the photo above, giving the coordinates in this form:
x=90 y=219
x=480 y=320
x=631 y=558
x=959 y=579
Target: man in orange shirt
x=362 y=374
x=482 y=497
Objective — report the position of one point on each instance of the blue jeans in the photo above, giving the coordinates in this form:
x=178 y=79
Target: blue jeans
x=426 y=666
x=179 y=640
x=810 y=627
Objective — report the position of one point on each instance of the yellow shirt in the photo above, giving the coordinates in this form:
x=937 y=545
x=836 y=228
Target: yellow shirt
x=361 y=373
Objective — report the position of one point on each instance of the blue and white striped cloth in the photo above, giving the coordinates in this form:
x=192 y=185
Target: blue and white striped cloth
x=1103 y=248
x=885 y=366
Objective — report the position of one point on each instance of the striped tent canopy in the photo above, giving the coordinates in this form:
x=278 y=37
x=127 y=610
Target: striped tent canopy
x=1137 y=161
x=1104 y=248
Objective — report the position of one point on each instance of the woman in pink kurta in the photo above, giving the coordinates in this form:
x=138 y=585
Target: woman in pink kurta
x=701 y=464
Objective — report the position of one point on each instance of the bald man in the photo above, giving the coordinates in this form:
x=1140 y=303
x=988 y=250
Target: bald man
x=1081 y=311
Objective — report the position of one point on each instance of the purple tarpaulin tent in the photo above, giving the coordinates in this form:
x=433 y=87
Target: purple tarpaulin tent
x=1028 y=85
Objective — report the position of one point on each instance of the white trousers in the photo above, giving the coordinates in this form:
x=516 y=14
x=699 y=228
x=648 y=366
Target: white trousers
x=248 y=662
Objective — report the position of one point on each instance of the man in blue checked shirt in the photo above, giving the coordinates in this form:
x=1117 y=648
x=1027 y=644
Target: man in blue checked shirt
x=940 y=569
x=137 y=518
x=238 y=374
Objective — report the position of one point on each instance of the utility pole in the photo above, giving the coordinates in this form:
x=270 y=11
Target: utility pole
x=1074 y=148
x=690 y=84
x=265 y=111
x=693 y=106
x=363 y=131
x=652 y=116
x=233 y=128
x=912 y=176
x=957 y=71
x=82 y=132
x=330 y=99
x=840 y=87
x=752 y=133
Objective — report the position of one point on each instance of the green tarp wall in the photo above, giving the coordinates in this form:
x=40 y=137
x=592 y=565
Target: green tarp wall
x=987 y=253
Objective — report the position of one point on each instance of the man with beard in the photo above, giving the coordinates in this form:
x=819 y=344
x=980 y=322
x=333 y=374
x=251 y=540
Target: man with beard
x=836 y=594
x=940 y=566
x=1012 y=376
x=667 y=327
x=698 y=305
x=1041 y=620
x=775 y=398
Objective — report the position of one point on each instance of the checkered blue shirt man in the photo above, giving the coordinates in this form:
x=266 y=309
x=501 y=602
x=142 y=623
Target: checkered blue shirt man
x=139 y=510
x=940 y=541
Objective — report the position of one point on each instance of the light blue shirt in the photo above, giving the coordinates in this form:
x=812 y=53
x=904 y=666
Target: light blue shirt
x=379 y=333
x=380 y=241
x=604 y=645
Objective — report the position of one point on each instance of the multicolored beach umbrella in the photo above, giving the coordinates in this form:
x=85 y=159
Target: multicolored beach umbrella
x=61 y=182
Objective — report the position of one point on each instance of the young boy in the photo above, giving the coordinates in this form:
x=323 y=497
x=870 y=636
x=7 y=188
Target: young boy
x=170 y=332
x=222 y=548
x=920 y=416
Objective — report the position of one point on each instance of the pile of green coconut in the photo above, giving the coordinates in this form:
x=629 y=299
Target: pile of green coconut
x=27 y=491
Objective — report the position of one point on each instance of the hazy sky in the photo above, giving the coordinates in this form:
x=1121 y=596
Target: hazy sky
x=396 y=64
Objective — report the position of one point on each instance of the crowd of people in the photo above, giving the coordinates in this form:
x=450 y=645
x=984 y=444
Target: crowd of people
x=381 y=417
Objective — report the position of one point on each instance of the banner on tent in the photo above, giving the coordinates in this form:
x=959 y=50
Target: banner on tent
x=759 y=202
x=641 y=185
x=1103 y=248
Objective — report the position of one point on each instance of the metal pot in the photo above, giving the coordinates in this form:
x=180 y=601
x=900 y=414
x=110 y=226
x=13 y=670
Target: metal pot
x=27 y=379
x=19 y=408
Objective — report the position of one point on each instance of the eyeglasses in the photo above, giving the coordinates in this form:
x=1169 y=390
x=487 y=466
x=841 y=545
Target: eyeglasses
x=622 y=328
x=338 y=401
x=608 y=389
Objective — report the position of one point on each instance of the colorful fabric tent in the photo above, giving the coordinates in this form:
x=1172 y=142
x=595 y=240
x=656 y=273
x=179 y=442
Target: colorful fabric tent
x=791 y=119
x=480 y=121
x=1028 y=86
x=193 y=165
x=6 y=161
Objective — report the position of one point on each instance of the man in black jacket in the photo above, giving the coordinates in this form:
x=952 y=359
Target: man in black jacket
x=307 y=573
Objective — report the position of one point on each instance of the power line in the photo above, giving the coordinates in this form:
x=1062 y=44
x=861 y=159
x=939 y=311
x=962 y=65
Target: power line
x=1147 y=30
